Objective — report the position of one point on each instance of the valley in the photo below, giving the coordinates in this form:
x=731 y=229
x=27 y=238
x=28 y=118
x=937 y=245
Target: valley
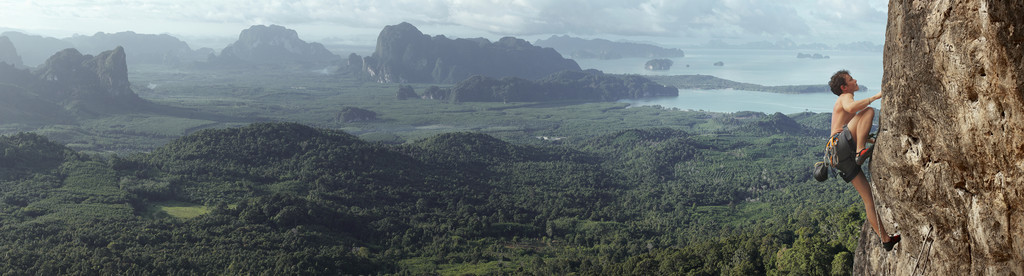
x=239 y=169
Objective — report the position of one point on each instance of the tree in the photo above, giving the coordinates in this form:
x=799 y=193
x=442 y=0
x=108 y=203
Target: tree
x=407 y=92
x=354 y=114
x=842 y=264
x=658 y=64
x=809 y=255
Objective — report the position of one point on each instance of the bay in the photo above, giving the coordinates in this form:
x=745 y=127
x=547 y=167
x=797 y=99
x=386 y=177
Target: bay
x=728 y=100
x=764 y=67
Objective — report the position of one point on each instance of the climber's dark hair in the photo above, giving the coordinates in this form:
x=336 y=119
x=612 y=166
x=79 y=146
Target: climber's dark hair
x=837 y=82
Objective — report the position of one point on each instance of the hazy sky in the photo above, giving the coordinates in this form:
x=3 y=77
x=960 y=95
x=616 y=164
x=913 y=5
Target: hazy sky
x=669 y=22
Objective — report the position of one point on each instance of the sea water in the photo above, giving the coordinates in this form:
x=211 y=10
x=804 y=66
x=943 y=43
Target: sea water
x=764 y=67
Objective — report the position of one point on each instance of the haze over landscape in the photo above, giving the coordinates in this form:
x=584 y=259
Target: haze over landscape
x=448 y=137
x=356 y=22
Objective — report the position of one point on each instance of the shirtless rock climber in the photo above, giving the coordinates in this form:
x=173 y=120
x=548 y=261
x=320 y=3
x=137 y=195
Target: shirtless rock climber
x=851 y=125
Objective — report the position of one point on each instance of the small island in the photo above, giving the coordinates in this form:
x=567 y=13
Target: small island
x=719 y=63
x=811 y=56
x=660 y=64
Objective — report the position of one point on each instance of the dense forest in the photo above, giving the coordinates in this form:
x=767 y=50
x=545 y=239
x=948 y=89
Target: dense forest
x=287 y=199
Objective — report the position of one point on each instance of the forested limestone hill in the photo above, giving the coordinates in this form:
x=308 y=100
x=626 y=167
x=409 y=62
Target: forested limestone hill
x=69 y=84
x=406 y=55
x=261 y=45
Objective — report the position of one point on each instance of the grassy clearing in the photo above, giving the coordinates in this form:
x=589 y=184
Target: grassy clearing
x=181 y=210
x=483 y=268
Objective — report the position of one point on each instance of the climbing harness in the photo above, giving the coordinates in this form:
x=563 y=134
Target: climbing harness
x=831 y=158
x=825 y=168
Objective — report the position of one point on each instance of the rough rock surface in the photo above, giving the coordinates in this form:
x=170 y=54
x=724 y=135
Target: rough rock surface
x=406 y=55
x=948 y=170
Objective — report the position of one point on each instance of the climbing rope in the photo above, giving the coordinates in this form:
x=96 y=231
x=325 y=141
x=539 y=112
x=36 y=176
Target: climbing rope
x=829 y=160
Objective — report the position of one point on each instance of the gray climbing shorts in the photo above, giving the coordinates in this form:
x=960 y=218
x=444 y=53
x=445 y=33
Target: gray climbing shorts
x=846 y=157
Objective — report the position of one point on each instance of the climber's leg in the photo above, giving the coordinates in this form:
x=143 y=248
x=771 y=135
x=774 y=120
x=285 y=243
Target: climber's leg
x=860 y=127
x=860 y=182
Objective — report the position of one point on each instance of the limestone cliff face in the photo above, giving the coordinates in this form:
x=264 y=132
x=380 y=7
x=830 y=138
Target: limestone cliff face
x=948 y=170
x=89 y=84
x=404 y=54
x=107 y=71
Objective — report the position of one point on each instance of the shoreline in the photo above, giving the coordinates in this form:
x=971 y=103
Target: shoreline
x=708 y=82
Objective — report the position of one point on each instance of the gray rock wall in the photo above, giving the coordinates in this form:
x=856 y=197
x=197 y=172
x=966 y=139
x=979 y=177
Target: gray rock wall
x=948 y=170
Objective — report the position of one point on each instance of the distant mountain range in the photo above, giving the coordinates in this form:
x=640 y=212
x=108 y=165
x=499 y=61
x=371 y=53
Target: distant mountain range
x=140 y=48
x=406 y=55
x=435 y=59
x=787 y=44
x=34 y=49
x=578 y=48
x=257 y=45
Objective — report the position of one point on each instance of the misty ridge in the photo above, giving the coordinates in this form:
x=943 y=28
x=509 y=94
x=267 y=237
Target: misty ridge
x=258 y=43
x=100 y=83
x=87 y=77
x=403 y=54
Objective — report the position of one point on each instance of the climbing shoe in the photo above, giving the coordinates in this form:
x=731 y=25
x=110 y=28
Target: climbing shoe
x=864 y=154
x=893 y=240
